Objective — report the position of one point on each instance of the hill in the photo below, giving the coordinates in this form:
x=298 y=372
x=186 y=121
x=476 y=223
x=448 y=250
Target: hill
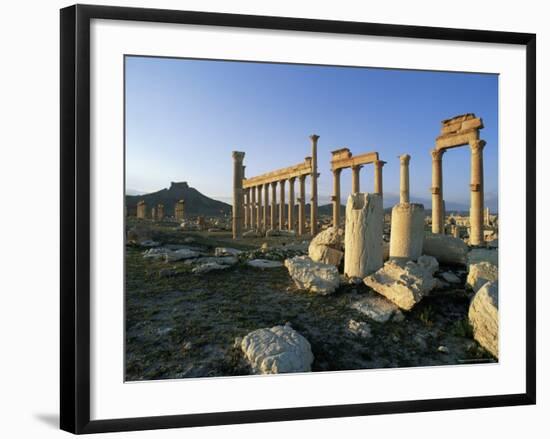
x=195 y=202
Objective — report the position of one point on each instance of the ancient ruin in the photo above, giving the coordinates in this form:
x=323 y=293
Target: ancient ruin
x=141 y=210
x=342 y=159
x=407 y=221
x=248 y=193
x=459 y=131
x=179 y=210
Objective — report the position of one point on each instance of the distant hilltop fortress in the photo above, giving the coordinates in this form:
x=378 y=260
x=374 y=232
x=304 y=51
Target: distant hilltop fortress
x=195 y=202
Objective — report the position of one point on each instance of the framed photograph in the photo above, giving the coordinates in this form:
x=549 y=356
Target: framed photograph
x=273 y=218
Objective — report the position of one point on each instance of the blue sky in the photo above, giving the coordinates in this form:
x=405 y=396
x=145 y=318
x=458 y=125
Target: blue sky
x=184 y=117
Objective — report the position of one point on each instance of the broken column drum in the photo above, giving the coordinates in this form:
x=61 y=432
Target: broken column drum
x=363 y=234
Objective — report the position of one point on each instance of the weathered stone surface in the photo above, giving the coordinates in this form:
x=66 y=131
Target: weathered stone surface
x=226 y=251
x=264 y=263
x=360 y=329
x=481 y=273
x=450 y=277
x=209 y=266
x=221 y=260
x=446 y=249
x=363 y=235
x=277 y=350
x=251 y=234
x=274 y=232
x=327 y=246
x=178 y=255
x=483 y=316
x=313 y=276
x=407 y=231
x=428 y=263
x=477 y=255
x=375 y=307
x=403 y=283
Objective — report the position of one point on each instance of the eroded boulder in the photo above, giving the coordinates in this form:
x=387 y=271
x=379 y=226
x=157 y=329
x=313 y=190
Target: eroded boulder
x=327 y=246
x=483 y=316
x=481 y=273
x=404 y=283
x=313 y=276
x=279 y=349
x=445 y=248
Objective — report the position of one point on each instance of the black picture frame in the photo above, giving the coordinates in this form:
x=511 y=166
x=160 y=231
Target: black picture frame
x=75 y=217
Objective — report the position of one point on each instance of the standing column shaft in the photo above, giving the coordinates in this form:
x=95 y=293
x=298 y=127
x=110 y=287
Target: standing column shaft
x=437 y=191
x=336 y=197
x=404 y=179
x=313 y=215
x=355 y=179
x=252 y=213
x=246 y=208
x=273 y=205
x=476 y=193
x=281 y=204
x=259 y=207
x=238 y=207
x=302 y=206
x=291 y=220
x=266 y=206
x=378 y=165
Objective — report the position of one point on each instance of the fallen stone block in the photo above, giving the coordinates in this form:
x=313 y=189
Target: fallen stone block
x=279 y=349
x=481 y=273
x=483 y=316
x=445 y=248
x=405 y=284
x=313 y=276
x=327 y=246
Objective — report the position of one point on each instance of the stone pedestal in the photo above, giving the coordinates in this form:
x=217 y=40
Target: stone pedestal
x=363 y=234
x=407 y=231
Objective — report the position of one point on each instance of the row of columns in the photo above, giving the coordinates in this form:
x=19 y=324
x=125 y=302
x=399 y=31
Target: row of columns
x=249 y=212
x=265 y=212
x=355 y=186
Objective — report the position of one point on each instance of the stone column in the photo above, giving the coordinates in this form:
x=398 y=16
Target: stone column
x=273 y=205
x=313 y=215
x=266 y=207
x=237 y=194
x=355 y=179
x=246 y=208
x=259 y=208
x=404 y=179
x=378 y=164
x=252 y=214
x=487 y=217
x=160 y=212
x=282 y=204
x=336 y=197
x=476 y=193
x=302 y=206
x=141 y=210
x=291 y=202
x=179 y=210
x=407 y=231
x=437 y=191
x=363 y=235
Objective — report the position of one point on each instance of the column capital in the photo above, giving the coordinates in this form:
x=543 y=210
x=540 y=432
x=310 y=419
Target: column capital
x=477 y=146
x=437 y=154
x=337 y=172
x=291 y=179
x=356 y=167
x=314 y=138
x=405 y=159
x=238 y=155
x=274 y=184
x=379 y=163
x=302 y=178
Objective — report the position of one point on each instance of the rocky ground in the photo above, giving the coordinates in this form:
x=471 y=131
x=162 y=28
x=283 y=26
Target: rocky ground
x=183 y=323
